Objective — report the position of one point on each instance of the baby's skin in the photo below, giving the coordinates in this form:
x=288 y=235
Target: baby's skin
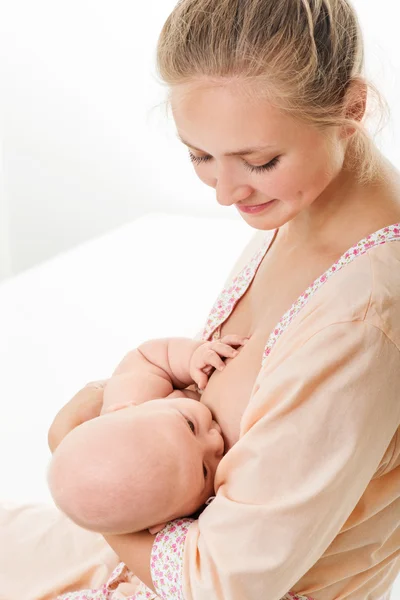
x=152 y=454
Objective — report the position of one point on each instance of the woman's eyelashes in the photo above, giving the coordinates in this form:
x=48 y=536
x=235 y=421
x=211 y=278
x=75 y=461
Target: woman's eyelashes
x=268 y=166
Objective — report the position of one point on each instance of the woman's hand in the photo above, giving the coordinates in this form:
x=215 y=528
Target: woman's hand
x=85 y=405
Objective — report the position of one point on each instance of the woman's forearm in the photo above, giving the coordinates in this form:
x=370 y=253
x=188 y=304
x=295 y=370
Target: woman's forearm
x=134 y=549
x=85 y=405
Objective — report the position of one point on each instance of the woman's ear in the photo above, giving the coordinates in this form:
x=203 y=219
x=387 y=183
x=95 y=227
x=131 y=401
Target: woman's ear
x=355 y=105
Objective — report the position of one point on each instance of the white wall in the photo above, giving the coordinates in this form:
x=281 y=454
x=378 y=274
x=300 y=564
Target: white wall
x=84 y=148
x=5 y=259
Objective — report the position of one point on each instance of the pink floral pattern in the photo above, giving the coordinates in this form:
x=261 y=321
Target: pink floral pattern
x=109 y=591
x=231 y=295
x=167 y=559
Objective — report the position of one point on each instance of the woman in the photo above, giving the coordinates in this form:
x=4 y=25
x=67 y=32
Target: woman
x=269 y=97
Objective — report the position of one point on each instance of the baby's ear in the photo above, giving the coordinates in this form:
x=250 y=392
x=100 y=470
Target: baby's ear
x=115 y=407
x=157 y=528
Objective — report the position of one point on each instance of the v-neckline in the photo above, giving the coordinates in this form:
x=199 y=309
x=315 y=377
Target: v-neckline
x=231 y=295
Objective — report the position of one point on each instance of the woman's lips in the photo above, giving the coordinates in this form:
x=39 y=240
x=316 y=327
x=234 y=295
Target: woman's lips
x=256 y=208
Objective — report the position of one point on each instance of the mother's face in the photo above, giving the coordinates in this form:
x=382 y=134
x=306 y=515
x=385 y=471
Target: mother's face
x=252 y=153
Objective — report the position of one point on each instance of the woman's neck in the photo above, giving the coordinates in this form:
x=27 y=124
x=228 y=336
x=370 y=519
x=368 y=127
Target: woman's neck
x=346 y=211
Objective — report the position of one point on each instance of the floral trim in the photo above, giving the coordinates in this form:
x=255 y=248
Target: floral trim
x=166 y=561
x=387 y=234
x=230 y=295
x=121 y=574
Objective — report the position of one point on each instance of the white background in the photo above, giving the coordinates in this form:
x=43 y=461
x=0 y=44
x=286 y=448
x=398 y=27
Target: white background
x=85 y=144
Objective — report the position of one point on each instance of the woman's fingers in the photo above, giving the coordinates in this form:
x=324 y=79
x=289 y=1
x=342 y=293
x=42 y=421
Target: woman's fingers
x=100 y=384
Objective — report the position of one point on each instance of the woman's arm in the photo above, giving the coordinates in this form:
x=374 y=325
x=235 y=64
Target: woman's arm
x=317 y=427
x=85 y=405
x=137 y=548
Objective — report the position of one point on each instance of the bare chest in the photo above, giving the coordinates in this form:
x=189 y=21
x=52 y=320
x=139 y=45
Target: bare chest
x=275 y=287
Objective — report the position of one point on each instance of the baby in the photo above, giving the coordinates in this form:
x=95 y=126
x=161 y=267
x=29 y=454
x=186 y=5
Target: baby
x=151 y=455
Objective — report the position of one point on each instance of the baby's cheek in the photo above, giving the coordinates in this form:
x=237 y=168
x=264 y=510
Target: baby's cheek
x=193 y=495
x=57 y=475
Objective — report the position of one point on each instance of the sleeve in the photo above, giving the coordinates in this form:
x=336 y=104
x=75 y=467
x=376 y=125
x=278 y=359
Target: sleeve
x=312 y=437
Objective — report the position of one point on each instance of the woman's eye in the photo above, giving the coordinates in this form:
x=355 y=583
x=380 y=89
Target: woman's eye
x=191 y=425
x=198 y=159
x=267 y=167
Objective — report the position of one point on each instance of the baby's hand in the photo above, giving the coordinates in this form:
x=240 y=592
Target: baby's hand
x=208 y=357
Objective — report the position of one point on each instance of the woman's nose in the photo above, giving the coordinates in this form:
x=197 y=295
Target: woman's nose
x=228 y=194
x=229 y=190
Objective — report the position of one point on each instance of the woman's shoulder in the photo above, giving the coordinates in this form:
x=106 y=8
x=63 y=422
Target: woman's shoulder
x=363 y=287
x=366 y=289
x=383 y=309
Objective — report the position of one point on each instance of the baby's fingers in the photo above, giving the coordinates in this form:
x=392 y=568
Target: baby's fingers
x=200 y=379
x=212 y=357
x=208 y=370
x=224 y=350
x=234 y=340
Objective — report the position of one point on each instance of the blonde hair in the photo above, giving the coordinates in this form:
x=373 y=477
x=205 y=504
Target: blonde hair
x=305 y=56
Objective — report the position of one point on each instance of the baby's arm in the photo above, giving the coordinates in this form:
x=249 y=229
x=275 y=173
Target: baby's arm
x=151 y=371
x=158 y=367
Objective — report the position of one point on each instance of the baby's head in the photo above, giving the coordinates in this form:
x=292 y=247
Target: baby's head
x=137 y=467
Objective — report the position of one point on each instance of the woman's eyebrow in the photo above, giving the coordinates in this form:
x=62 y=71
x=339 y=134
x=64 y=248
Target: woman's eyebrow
x=242 y=152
